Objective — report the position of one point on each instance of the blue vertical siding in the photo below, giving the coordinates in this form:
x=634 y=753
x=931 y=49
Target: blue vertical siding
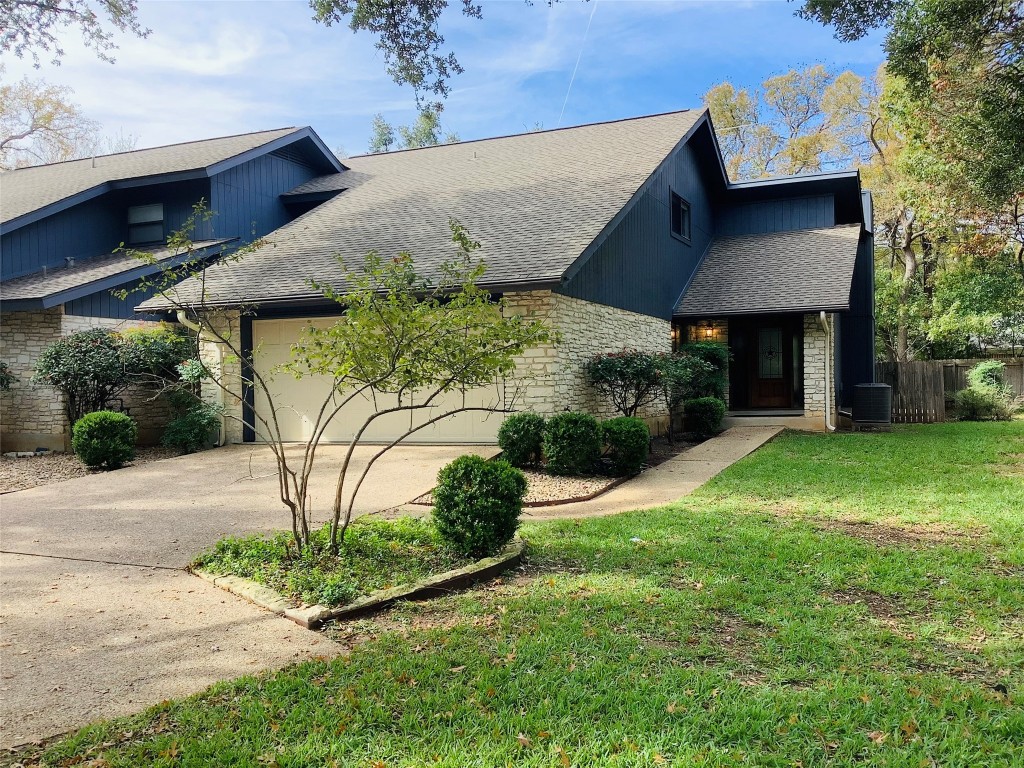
x=776 y=215
x=247 y=197
x=85 y=230
x=640 y=266
x=857 y=342
x=96 y=227
x=104 y=304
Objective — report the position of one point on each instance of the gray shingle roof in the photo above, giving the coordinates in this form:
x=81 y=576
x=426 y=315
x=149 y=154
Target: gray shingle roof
x=39 y=285
x=804 y=270
x=25 y=190
x=331 y=182
x=535 y=202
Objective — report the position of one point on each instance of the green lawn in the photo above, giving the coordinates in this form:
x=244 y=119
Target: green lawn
x=753 y=624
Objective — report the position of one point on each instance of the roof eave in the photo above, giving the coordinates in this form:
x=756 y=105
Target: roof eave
x=50 y=300
x=842 y=307
x=306 y=300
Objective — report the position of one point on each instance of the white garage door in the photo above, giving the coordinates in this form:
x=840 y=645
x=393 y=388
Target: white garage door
x=298 y=400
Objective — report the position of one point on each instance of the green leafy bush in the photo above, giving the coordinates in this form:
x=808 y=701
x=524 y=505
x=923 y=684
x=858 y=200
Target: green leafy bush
x=629 y=441
x=987 y=396
x=104 y=439
x=6 y=377
x=91 y=368
x=630 y=380
x=572 y=443
x=477 y=504
x=521 y=438
x=704 y=415
x=708 y=381
x=192 y=429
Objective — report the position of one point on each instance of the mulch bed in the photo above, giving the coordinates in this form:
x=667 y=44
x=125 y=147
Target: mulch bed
x=33 y=471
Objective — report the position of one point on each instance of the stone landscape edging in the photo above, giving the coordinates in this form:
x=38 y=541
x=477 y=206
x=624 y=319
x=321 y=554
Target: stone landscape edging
x=313 y=616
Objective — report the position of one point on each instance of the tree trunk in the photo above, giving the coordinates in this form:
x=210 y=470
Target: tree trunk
x=906 y=291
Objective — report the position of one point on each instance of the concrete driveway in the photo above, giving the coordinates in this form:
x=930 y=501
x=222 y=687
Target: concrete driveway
x=97 y=617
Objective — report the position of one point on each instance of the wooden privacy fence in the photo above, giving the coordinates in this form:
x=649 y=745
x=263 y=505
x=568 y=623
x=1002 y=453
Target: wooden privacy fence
x=918 y=394
x=923 y=390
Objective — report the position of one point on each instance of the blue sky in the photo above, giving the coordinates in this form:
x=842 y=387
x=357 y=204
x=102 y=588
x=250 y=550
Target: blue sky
x=216 y=68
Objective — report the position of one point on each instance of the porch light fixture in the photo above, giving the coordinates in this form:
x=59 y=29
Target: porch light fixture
x=709 y=330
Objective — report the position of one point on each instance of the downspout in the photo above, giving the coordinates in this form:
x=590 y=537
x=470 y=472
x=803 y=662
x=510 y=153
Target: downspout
x=828 y=371
x=183 y=319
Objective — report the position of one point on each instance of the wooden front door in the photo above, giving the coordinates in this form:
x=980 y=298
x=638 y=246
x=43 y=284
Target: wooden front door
x=771 y=366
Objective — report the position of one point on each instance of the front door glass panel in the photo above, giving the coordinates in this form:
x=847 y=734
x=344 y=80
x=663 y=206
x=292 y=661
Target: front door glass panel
x=769 y=353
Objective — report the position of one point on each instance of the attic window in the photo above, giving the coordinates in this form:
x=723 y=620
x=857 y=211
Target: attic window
x=146 y=224
x=680 y=218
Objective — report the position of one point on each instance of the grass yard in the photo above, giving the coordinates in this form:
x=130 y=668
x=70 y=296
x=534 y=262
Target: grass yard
x=833 y=600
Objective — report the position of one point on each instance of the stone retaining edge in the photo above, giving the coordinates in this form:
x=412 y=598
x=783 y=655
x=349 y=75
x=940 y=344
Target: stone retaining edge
x=313 y=616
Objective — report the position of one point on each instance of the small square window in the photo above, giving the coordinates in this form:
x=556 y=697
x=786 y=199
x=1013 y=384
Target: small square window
x=680 y=218
x=146 y=224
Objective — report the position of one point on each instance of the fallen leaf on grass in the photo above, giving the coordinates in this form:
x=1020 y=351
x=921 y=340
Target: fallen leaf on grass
x=878 y=737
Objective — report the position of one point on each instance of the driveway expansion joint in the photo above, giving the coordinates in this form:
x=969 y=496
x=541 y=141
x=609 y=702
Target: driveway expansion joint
x=93 y=560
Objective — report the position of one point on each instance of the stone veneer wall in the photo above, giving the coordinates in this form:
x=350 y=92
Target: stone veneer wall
x=549 y=379
x=552 y=376
x=219 y=359
x=32 y=415
x=814 y=368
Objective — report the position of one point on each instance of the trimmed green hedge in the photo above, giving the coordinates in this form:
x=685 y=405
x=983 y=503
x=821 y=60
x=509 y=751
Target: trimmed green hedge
x=629 y=441
x=572 y=443
x=477 y=504
x=104 y=439
x=521 y=438
x=703 y=415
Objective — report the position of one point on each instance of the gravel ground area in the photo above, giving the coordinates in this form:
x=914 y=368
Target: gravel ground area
x=551 y=489
x=545 y=488
x=31 y=471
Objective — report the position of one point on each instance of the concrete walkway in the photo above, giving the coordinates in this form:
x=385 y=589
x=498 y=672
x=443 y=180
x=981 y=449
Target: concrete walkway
x=667 y=482
x=98 y=617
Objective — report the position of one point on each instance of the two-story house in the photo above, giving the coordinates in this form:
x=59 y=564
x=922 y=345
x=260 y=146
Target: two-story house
x=62 y=225
x=623 y=235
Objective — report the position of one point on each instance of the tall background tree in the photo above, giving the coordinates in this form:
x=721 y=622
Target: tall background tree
x=40 y=123
x=33 y=27
x=425 y=131
x=799 y=122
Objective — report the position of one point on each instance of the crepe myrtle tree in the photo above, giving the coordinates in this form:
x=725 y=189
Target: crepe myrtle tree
x=408 y=342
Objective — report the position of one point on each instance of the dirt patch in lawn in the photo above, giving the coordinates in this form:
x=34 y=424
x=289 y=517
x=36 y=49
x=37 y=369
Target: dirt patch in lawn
x=885 y=535
x=883 y=608
x=33 y=471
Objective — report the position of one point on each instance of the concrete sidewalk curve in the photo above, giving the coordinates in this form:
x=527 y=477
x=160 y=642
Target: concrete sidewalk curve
x=667 y=482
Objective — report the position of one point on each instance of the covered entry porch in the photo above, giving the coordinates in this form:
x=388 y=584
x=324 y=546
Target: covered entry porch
x=776 y=368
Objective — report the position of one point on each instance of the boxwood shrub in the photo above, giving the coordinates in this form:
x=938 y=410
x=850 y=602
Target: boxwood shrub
x=104 y=439
x=629 y=441
x=477 y=504
x=703 y=415
x=521 y=438
x=572 y=443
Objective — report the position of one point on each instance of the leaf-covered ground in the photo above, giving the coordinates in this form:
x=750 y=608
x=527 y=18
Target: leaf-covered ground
x=832 y=600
